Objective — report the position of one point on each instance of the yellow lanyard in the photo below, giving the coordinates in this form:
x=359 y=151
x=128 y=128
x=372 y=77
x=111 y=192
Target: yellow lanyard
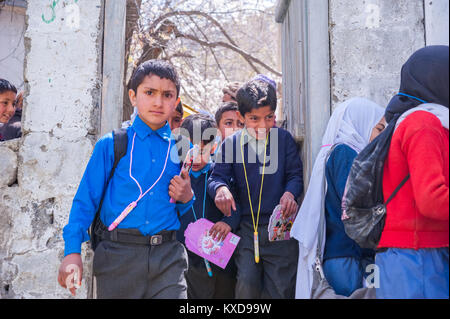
x=255 y=225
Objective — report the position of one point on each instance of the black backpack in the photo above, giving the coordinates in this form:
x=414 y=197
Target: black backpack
x=363 y=205
x=120 y=138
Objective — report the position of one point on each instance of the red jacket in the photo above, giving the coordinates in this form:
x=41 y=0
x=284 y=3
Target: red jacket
x=418 y=216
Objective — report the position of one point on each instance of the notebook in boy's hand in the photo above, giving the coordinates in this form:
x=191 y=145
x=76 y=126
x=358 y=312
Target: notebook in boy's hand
x=279 y=228
x=198 y=240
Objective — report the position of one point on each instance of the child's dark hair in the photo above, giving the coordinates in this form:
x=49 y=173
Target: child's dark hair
x=193 y=123
x=161 y=68
x=179 y=108
x=225 y=107
x=255 y=94
x=6 y=86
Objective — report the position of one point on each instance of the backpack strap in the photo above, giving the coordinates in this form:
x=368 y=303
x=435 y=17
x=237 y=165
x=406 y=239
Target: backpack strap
x=120 y=138
x=397 y=189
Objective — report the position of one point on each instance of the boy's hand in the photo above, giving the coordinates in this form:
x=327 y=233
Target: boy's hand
x=180 y=188
x=220 y=230
x=288 y=205
x=71 y=273
x=224 y=201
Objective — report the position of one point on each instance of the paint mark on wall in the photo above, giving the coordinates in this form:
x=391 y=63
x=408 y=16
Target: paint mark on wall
x=72 y=12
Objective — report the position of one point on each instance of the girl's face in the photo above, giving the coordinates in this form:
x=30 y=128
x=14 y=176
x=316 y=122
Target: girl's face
x=7 y=106
x=381 y=125
x=155 y=100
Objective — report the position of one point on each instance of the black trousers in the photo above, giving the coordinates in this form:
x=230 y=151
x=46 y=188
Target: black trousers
x=200 y=286
x=275 y=275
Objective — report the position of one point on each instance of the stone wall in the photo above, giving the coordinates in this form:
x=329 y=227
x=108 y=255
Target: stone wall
x=60 y=126
x=369 y=42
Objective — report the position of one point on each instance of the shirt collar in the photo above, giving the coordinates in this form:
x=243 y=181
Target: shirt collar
x=248 y=138
x=143 y=130
x=204 y=170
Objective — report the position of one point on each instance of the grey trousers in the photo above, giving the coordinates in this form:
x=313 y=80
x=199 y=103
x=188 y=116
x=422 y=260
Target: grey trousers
x=129 y=271
x=201 y=286
x=275 y=275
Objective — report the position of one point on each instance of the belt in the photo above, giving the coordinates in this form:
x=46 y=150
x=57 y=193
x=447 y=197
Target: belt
x=134 y=236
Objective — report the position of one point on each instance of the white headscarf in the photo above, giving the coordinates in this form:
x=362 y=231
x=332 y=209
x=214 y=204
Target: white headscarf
x=351 y=124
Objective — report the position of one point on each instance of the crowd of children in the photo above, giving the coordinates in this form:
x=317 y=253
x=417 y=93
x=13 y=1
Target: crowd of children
x=244 y=167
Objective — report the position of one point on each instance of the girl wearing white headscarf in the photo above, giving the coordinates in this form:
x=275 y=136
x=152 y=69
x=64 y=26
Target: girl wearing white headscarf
x=348 y=132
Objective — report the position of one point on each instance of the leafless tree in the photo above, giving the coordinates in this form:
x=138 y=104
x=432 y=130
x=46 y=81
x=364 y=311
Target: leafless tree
x=209 y=42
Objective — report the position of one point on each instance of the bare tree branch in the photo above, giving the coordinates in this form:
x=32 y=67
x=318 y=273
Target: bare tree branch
x=245 y=55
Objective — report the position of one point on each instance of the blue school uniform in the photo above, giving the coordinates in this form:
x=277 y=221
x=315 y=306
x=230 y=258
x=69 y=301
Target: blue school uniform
x=274 y=275
x=283 y=172
x=154 y=212
x=200 y=285
x=344 y=261
x=211 y=212
x=413 y=274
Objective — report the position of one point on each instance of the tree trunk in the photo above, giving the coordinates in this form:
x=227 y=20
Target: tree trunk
x=133 y=9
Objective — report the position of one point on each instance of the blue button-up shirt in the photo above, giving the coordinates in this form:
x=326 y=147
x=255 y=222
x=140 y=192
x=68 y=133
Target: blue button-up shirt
x=154 y=212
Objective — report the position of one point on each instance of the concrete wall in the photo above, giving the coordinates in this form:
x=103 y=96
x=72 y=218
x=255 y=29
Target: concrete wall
x=12 y=49
x=60 y=125
x=366 y=43
x=369 y=42
x=305 y=60
x=436 y=22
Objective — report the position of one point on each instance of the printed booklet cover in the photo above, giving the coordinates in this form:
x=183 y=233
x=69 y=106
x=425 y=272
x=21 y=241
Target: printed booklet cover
x=199 y=241
x=279 y=228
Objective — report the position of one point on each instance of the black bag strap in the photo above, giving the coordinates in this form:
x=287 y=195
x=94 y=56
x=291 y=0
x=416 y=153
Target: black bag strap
x=120 y=138
x=397 y=189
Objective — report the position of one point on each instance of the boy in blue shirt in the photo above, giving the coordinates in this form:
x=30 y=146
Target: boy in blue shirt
x=138 y=256
x=265 y=164
x=202 y=130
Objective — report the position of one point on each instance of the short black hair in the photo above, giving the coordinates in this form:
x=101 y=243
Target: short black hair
x=179 y=108
x=255 y=94
x=161 y=68
x=202 y=121
x=6 y=86
x=225 y=107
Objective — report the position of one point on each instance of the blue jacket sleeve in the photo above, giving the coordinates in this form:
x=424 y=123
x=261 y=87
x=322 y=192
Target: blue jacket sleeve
x=87 y=199
x=235 y=219
x=184 y=208
x=223 y=169
x=294 y=168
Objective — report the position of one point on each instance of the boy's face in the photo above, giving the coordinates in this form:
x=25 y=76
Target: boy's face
x=203 y=158
x=7 y=106
x=259 y=121
x=175 y=120
x=230 y=123
x=155 y=100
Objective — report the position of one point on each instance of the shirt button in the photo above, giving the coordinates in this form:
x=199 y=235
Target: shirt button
x=153 y=160
x=147 y=222
x=151 y=193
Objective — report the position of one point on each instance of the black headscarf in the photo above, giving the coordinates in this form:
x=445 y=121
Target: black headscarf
x=424 y=78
